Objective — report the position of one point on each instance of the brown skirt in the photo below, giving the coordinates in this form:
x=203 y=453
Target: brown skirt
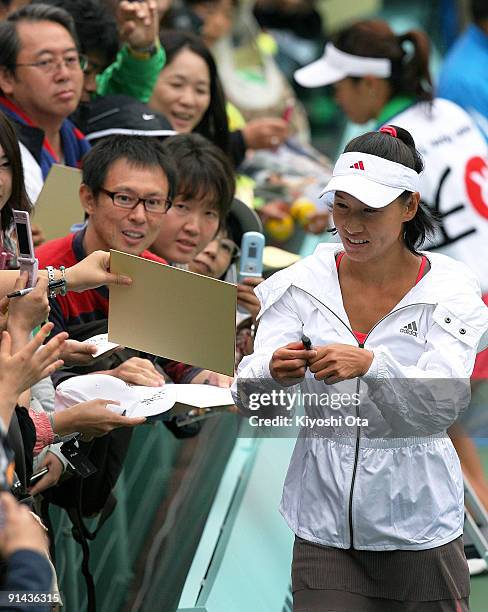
x=430 y=575
x=331 y=600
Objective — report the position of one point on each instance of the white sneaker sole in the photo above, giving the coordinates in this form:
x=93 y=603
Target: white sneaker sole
x=477 y=566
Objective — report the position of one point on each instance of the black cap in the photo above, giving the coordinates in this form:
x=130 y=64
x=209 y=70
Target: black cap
x=119 y=114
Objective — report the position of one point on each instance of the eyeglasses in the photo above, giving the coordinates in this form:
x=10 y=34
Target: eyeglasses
x=72 y=61
x=128 y=201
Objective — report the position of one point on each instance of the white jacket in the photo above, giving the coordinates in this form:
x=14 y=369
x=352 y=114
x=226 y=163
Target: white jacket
x=32 y=174
x=396 y=484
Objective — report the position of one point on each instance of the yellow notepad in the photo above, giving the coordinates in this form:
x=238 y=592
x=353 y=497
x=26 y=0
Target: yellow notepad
x=58 y=205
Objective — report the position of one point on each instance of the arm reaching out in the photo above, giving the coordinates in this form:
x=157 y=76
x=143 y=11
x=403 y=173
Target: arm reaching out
x=19 y=371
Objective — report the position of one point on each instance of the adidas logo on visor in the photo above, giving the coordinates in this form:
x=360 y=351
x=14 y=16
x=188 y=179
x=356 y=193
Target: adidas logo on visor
x=410 y=329
x=358 y=165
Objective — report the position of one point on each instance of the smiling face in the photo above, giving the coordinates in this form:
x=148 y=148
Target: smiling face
x=370 y=233
x=189 y=225
x=5 y=178
x=44 y=97
x=182 y=91
x=111 y=227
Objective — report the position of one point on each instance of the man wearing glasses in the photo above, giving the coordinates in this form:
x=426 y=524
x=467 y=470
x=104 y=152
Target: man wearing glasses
x=127 y=187
x=41 y=78
x=126 y=191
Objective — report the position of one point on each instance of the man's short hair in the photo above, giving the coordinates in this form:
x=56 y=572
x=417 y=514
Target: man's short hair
x=9 y=38
x=203 y=170
x=95 y=26
x=138 y=151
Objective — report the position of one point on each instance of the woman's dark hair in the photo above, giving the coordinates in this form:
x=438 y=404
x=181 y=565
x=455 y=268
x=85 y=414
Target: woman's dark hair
x=410 y=68
x=18 y=199
x=214 y=124
x=204 y=170
x=400 y=149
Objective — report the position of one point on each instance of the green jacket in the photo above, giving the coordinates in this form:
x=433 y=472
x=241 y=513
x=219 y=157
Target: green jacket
x=131 y=74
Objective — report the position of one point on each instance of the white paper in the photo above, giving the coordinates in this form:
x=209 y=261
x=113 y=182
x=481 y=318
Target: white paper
x=134 y=400
x=152 y=400
x=203 y=396
x=102 y=343
x=137 y=400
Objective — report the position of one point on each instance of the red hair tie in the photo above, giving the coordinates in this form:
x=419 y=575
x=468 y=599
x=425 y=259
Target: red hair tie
x=389 y=129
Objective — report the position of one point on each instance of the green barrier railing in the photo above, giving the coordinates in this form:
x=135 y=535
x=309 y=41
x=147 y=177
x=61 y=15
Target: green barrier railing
x=243 y=560
x=117 y=545
x=147 y=485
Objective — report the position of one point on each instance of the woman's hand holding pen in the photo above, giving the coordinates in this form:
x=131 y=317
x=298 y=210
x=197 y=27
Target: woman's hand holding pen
x=289 y=363
x=25 y=313
x=337 y=362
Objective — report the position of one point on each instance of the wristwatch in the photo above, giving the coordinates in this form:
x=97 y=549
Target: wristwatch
x=144 y=53
x=56 y=286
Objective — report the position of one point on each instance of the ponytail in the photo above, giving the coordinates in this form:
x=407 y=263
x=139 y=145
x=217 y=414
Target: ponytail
x=414 y=72
x=410 y=69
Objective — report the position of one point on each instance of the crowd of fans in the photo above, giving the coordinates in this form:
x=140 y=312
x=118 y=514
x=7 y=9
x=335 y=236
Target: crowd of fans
x=135 y=95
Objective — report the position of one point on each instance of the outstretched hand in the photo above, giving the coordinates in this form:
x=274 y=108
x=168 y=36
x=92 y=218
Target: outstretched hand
x=138 y=23
x=94 y=419
x=265 y=133
x=78 y=353
x=21 y=370
x=206 y=377
x=92 y=272
x=138 y=371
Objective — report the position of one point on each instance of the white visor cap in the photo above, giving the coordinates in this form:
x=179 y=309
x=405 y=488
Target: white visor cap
x=335 y=65
x=371 y=179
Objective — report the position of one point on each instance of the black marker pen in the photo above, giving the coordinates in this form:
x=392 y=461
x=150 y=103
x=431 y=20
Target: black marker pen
x=307 y=343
